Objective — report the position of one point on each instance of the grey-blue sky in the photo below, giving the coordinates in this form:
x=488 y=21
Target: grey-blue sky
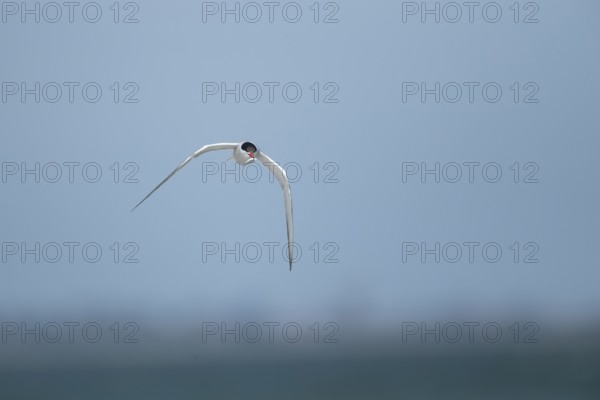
x=368 y=134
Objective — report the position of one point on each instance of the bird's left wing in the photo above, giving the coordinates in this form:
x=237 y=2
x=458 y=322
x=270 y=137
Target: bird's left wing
x=202 y=150
x=287 y=197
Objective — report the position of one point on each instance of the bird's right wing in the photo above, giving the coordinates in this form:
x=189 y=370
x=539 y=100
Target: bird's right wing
x=202 y=150
x=281 y=176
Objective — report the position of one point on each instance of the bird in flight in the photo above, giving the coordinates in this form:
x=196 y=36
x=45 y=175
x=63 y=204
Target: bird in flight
x=245 y=153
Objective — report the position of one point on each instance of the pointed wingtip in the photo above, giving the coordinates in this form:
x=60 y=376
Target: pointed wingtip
x=138 y=204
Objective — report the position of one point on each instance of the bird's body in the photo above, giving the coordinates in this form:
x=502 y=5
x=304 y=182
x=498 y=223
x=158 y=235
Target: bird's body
x=245 y=153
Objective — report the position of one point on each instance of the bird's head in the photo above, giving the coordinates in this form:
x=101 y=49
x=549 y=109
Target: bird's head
x=245 y=153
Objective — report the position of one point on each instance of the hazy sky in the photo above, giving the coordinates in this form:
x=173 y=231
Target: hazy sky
x=356 y=133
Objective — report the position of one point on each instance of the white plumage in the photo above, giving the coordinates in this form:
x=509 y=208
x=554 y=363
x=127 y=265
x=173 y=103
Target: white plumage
x=245 y=153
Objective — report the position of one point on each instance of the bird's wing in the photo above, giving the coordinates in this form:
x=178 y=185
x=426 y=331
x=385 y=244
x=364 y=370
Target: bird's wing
x=287 y=197
x=202 y=150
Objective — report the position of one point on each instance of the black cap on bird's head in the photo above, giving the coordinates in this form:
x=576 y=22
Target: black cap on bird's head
x=249 y=148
